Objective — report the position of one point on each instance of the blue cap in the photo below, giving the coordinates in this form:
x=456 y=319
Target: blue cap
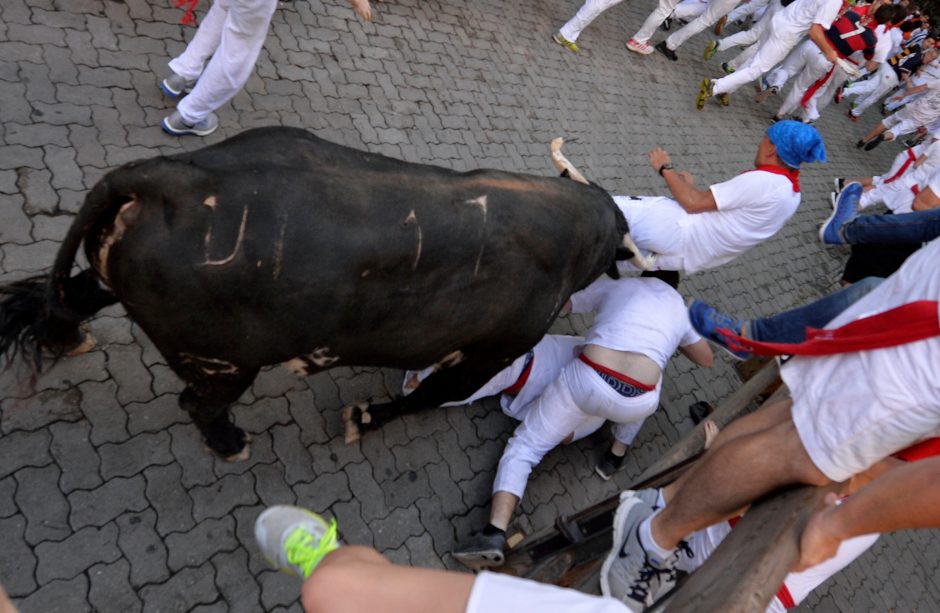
x=796 y=142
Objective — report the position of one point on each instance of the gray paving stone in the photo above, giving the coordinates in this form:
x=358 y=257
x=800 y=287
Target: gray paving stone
x=367 y=491
x=16 y=557
x=183 y=591
x=46 y=227
x=110 y=590
x=7 y=491
x=304 y=411
x=298 y=462
x=75 y=456
x=15 y=225
x=99 y=506
x=219 y=498
x=124 y=364
x=99 y=406
x=65 y=559
x=21 y=449
x=269 y=484
x=36 y=187
x=192 y=455
x=45 y=507
x=209 y=537
x=262 y=415
x=323 y=492
x=172 y=503
x=278 y=589
x=59 y=597
x=41 y=410
x=392 y=531
x=236 y=584
x=134 y=455
x=156 y=415
x=144 y=549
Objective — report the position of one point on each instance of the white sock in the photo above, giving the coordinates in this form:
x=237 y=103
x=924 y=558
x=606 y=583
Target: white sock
x=656 y=552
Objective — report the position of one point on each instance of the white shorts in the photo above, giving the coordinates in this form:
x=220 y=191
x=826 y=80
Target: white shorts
x=657 y=225
x=498 y=593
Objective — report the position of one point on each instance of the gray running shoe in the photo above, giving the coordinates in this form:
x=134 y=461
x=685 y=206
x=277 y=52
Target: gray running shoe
x=482 y=551
x=174 y=86
x=630 y=574
x=175 y=125
x=294 y=539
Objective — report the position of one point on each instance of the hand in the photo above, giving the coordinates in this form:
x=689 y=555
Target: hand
x=658 y=157
x=818 y=543
x=362 y=8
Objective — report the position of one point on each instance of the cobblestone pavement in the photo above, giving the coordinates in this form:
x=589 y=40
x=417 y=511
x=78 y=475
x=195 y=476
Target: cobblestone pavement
x=108 y=500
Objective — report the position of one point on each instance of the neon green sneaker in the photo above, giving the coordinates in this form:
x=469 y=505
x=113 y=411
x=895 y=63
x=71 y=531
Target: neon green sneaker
x=294 y=539
x=710 y=50
x=561 y=40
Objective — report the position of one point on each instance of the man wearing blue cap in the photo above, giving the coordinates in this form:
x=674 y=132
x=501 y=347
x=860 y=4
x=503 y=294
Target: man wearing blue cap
x=698 y=229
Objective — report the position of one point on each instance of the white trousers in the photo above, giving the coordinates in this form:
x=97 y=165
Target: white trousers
x=687 y=10
x=655 y=19
x=231 y=34
x=870 y=91
x=772 y=49
x=578 y=402
x=896 y=195
x=748 y=9
x=585 y=15
x=656 y=226
x=809 y=65
x=746 y=38
x=715 y=10
x=785 y=71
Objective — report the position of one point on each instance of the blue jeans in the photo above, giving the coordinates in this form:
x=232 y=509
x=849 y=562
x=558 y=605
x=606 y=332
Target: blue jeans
x=790 y=326
x=916 y=227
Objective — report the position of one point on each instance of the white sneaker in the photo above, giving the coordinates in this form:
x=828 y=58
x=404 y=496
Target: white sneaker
x=294 y=539
x=638 y=47
x=177 y=126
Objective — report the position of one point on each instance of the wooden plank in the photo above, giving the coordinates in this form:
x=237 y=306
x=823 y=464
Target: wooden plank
x=749 y=566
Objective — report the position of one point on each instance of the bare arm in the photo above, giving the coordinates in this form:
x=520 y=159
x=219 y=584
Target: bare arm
x=908 y=497
x=699 y=352
x=920 y=161
x=818 y=35
x=926 y=199
x=689 y=197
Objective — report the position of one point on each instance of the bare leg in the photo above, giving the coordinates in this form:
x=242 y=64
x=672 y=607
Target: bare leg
x=760 y=462
x=501 y=509
x=353 y=579
x=875 y=132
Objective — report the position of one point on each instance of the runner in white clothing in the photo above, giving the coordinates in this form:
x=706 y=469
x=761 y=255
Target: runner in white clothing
x=638 y=324
x=715 y=10
x=568 y=34
x=786 y=29
x=910 y=174
x=706 y=228
x=813 y=439
x=920 y=113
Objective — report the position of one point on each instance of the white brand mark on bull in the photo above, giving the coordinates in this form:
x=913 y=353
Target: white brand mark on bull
x=413 y=219
x=481 y=204
x=238 y=243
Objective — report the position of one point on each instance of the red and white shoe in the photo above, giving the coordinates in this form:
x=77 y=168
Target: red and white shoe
x=638 y=47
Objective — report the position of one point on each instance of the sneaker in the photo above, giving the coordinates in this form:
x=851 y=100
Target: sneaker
x=699 y=411
x=608 y=465
x=638 y=47
x=294 y=539
x=720 y=25
x=845 y=209
x=174 y=86
x=839 y=182
x=482 y=551
x=666 y=24
x=874 y=142
x=851 y=116
x=860 y=143
x=662 y=48
x=564 y=42
x=838 y=97
x=710 y=50
x=175 y=125
x=727 y=67
x=772 y=90
x=708 y=321
x=705 y=90
x=630 y=574
x=724 y=99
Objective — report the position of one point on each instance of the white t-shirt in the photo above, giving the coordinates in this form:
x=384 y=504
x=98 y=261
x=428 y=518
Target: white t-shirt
x=926 y=108
x=643 y=315
x=883 y=46
x=751 y=208
x=795 y=20
x=860 y=407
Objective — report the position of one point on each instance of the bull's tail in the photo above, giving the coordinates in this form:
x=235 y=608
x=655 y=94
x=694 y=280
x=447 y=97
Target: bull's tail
x=43 y=314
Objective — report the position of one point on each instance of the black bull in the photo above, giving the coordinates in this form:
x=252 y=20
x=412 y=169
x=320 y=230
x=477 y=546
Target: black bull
x=275 y=246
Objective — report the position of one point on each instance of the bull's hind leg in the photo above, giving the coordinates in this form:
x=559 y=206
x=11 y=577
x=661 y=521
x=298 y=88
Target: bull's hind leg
x=207 y=398
x=454 y=383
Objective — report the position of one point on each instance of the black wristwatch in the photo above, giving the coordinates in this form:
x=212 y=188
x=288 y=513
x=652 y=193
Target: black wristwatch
x=665 y=167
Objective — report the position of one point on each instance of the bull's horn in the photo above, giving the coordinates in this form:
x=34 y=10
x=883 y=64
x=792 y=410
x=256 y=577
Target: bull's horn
x=638 y=259
x=562 y=163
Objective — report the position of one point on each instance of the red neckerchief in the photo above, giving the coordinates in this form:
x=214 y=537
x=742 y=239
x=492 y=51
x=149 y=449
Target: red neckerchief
x=911 y=158
x=793 y=175
x=898 y=326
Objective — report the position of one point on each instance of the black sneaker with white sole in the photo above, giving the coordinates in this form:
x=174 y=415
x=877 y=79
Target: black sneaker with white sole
x=608 y=465
x=482 y=551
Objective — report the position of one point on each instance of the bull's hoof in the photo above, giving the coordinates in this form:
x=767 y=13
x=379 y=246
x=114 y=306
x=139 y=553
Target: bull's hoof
x=87 y=343
x=235 y=456
x=355 y=418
